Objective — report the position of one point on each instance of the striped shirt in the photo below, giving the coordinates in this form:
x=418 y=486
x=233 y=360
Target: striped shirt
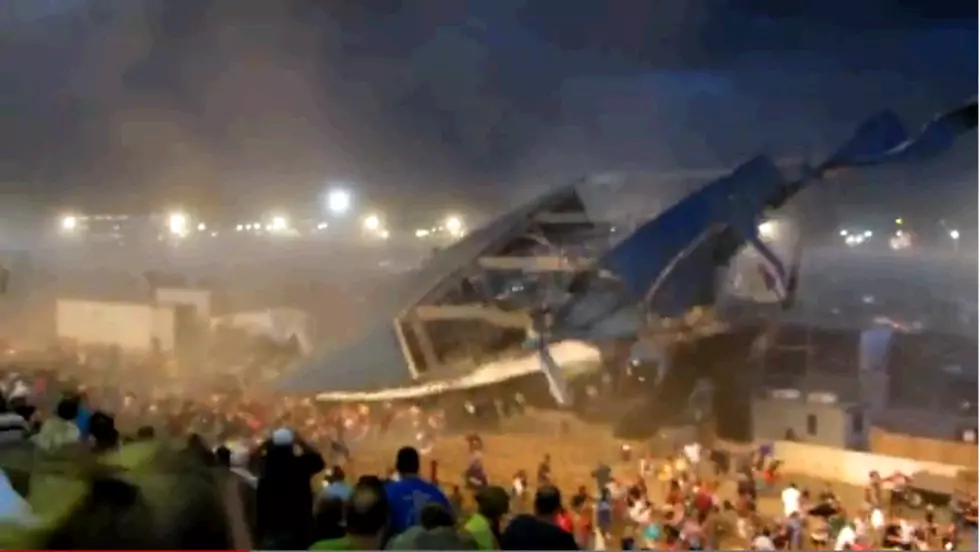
x=13 y=428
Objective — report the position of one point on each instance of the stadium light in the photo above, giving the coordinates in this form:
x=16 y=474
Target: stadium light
x=69 y=223
x=843 y=233
x=767 y=229
x=177 y=223
x=954 y=234
x=372 y=223
x=454 y=224
x=279 y=223
x=339 y=201
x=868 y=233
x=421 y=233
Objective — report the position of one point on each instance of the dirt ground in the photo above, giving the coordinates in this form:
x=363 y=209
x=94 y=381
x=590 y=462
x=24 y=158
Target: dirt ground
x=575 y=453
x=522 y=443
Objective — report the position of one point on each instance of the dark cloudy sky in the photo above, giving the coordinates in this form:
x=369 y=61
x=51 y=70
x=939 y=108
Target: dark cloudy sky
x=140 y=103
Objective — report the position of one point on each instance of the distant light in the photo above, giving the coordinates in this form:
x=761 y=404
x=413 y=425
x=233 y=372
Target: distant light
x=867 y=233
x=240 y=227
x=372 y=223
x=384 y=234
x=248 y=226
x=901 y=240
x=899 y=221
x=321 y=226
x=421 y=233
x=955 y=234
x=202 y=227
x=69 y=223
x=767 y=229
x=278 y=224
x=339 y=201
x=454 y=224
x=843 y=233
x=177 y=224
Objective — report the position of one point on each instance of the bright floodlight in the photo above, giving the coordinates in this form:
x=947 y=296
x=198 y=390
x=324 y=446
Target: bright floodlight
x=372 y=223
x=279 y=223
x=338 y=201
x=767 y=229
x=177 y=223
x=843 y=233
x=955 y=234
x=454 y=224
x=421 y=233
x=868 y=233
x=69 y=223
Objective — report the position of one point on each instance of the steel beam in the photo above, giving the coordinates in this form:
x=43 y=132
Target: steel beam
x=551 y=263
x=495 y=316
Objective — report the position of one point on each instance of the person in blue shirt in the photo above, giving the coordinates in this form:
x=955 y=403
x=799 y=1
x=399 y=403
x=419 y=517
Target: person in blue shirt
x=335 y=484
x=604 y=513
x=410 y=493
x=84 y=418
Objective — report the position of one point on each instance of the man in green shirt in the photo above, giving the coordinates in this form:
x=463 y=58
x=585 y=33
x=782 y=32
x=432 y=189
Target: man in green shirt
x=492 y=503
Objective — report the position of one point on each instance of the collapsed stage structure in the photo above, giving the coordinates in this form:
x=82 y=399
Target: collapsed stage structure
x=551 y=288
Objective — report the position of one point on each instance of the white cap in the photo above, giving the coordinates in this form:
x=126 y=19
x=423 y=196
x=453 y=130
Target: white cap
x=282 y=436
x=20 y=390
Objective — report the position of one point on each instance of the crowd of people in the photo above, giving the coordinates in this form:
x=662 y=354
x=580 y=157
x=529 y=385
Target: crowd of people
x=96 y=466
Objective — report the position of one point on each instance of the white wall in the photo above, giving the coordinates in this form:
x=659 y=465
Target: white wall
x=853 y=467
x=200 y=299
x=131 y=326
x=164 y=326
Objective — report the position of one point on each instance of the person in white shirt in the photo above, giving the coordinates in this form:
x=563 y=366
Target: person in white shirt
x=876 y=525
x=906 y=531
x=518 y=486
x=640 y=513
x=791 y=500
x=877 y=519
x=646 y=466
x=846 y=538
x=762 y=541
x=693 y=453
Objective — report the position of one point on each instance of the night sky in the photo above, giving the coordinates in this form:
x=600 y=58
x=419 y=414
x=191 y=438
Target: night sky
x=432 y=104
